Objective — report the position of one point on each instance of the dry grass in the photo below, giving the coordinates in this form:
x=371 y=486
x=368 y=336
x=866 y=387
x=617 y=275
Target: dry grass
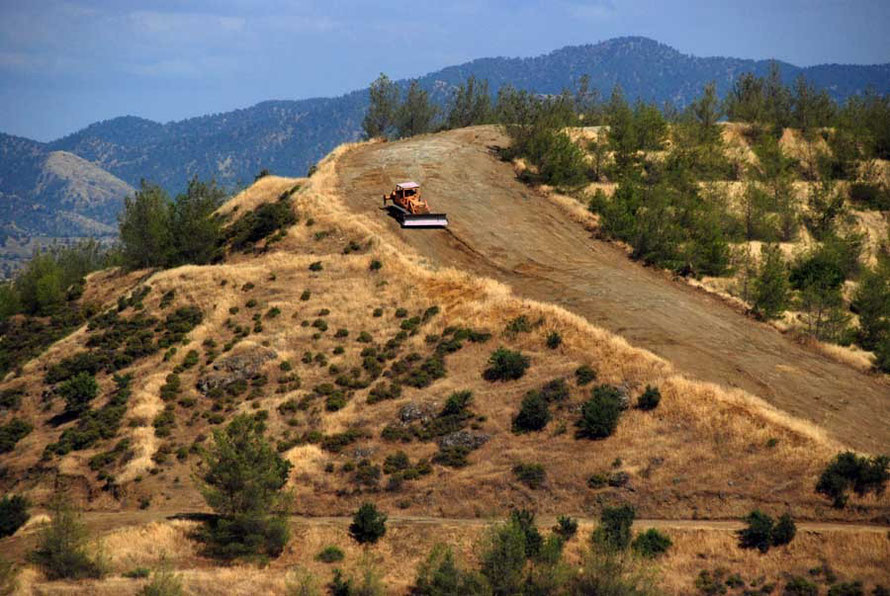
x=851 y=555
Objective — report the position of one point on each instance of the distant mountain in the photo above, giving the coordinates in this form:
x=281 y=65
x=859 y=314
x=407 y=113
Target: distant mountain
x=288 y=136
x=55 y=193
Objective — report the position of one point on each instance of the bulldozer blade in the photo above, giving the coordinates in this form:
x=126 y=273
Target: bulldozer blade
x=425 y=220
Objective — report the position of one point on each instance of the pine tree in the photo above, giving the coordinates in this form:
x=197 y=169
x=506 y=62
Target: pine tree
x=416 y=114
x=771 y=285
x=146 y=240
x=196 y=232
x=384 y=99
x=470 y=104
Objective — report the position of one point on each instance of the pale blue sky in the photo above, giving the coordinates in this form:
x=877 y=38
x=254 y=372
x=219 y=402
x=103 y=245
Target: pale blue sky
x=65 y=64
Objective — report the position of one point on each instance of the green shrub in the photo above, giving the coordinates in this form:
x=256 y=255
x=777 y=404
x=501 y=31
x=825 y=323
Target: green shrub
x=566 y=527
x=614 y=531
x=452 y=457
x=368 y=524
x=531 y=475
x=375 y=265
x=137 y=573
x=848 y=471
x=872 y=196
x=784 y=530
x=649 y=399
x=78 y=392
x=584 y=375
x=555 y=391
x=12 y=432
x=600 y=414
x=316 y=266
x=440 y=575
x=261 y=223
x=534 y=413
x=651 y=543
x=854 y=588
x=330 y=554
x=798 y=586
x=554 y=340
x=506 y=365
x=13 y=514
x=520 y=324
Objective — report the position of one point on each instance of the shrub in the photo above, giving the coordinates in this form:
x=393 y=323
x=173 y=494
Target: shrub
x=649 y=399
x=137 y=573
x=306 y=295
x=440 y=575
x=613 y=532
x=163 y=583
x=61 y=550
x=651 y=543
x=375 y=265
x=454 y=456
x=396 y=462
x=762 y=533
x=78 y=392
x=584 y=374
x=503 y=558
x=534 y=413
x=554 y=340
x=506 y=365
x=261 y=223
x=798 y=586
x=853 y=588
x=316 y=266
x=13 y=514
x=12 y=432
x=784 y=530
x=330 y=554
x=556 y=390
x=368 y=524
x=600 y=414
x=566 y=527
x=531 y=475
x=848 y=471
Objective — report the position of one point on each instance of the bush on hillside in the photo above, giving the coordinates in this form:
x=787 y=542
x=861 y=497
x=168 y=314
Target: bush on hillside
x=584 y=375
x=531 y=475
x=12 y=432
x=651 y=543
x=506 y=365
x=261 y=223
x=650 y=398
x=368 y=524
x=848 y=471
x=614 y=531
x=13 y=514
x=600 y=414
x=78 y=392
x=534 y=413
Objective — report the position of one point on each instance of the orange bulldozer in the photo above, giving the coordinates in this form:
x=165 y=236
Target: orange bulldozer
x=412 y=211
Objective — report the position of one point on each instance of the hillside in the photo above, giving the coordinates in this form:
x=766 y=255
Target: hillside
x=351 y=362
x=48 y=196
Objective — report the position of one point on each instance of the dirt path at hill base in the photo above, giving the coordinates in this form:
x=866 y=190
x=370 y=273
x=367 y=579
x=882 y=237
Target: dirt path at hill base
x=501 y=229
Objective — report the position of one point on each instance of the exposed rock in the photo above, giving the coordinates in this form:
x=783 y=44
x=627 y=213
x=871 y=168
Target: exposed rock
x=243 y=365
x=464 y=438
x=413 y=411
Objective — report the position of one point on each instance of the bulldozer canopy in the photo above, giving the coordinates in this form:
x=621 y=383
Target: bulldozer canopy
x=407 y=185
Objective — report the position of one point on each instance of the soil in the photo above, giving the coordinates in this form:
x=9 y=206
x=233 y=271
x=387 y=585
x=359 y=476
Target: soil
x=505 y=230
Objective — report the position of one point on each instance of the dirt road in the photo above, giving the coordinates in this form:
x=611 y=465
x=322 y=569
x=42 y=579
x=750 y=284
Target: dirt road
x=501 y=229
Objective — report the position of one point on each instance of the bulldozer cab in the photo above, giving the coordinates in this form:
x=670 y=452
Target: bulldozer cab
x=407 y=190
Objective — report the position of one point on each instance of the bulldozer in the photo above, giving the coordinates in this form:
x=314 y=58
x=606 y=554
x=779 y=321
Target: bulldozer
x=411 y=210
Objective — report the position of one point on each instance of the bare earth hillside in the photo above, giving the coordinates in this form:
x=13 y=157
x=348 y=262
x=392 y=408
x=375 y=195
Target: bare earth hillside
x=502 y=229
x=311 y=331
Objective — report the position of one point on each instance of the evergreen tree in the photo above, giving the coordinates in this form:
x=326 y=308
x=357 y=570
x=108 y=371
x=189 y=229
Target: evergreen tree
x=777 y=101
x=470 y=104
x=196 y=232
x=243 y=480
x=745 y=102
x=872 y=302
x=416 y=114
x=706 y=112
x=771 y=284
x=384 y=100
x=145 y=232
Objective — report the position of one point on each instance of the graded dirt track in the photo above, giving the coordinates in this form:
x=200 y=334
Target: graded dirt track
x=502 y=229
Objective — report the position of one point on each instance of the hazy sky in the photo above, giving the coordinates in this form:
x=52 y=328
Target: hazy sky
x=65 y=64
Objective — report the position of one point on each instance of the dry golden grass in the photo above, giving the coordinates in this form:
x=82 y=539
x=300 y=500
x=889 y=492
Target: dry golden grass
x=851 y=555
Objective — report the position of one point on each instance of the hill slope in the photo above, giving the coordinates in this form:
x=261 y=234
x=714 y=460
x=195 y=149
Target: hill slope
x=314 y=301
